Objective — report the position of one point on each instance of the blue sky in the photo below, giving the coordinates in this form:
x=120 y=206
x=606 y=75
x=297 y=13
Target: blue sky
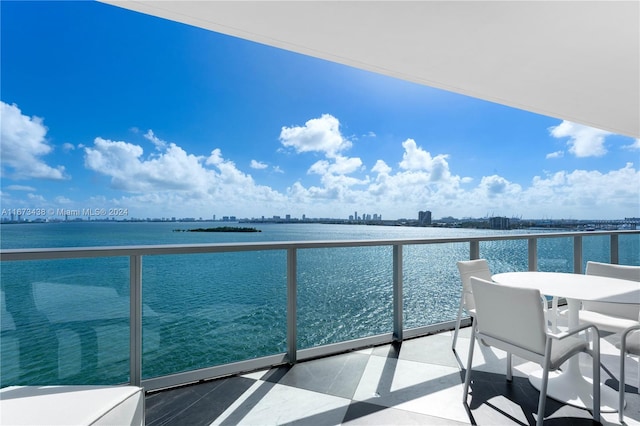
x=104 y=108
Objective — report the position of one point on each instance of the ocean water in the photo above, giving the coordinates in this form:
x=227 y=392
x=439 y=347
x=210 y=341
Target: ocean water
x=66 y=321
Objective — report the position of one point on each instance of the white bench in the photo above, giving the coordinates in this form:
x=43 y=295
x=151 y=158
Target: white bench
x=72 y=405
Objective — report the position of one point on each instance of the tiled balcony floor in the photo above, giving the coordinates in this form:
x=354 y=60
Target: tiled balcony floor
x=416 y=383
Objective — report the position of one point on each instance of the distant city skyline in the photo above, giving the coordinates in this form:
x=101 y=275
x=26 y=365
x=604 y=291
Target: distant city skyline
x=104 y=109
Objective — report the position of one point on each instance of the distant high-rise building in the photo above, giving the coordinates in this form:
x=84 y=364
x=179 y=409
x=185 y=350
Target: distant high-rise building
x=499 y=223
x=424 y=218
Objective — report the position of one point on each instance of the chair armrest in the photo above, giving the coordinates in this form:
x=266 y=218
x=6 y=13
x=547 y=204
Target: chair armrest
x=626 y=332
x=564 y=334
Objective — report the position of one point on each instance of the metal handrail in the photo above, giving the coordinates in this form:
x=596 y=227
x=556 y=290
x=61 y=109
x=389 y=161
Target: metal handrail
x=136 y=253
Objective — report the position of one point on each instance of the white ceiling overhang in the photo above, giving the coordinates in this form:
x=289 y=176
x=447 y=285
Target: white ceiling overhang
x=573 y=60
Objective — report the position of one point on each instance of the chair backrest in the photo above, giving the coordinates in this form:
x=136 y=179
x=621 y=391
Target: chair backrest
x=472 y=268
x=512 y=315
x=624 y=272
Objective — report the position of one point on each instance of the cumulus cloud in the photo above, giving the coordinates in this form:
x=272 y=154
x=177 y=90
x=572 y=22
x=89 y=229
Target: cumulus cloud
x=172 y=169
x=415 y=158
x=381 y=167
x=258 y=165
x=635 y=146
x=556 y=154
x=167 y=178
x=585 y=193
x=497 y=185
x=340 y=166
x=422 y=181
x=583 y=141
x=159 y=143
x=173 y=178
x=317 y=135
x=23 y=144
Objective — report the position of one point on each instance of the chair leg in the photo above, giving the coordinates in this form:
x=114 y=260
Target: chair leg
x=542 y=402
x=621 y=380
x=455 y=333
x=467 y=377
x=596 y=375
x=554 y=314
x=509 y=367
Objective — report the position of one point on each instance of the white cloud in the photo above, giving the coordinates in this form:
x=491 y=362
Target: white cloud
x=175 y=182
x=423 y=181
x=496 y=185
x=381 y=167
x=635 y=146
x=556 y=154
x=169 y=181
x=415 y=158
x=585 y=193
x=21 y=188
x=36 y=198
x=258 y=165
x=159 y=143
x=215 y=158
x=61 y=200
x=172 y=169
x=340 y=166
x=66 y=147
x=23 y=144
x=317 y=135
x=583 y=141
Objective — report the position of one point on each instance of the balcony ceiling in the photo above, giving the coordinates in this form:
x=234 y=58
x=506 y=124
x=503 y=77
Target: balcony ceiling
x=573 y=60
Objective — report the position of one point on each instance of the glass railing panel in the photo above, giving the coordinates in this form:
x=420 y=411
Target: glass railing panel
x=629 y=249
x=344 y=294
x=431 y=283
x=505 y=255
x=555 y=254
x=65 y=321
x=596 y=248
x=204 y=310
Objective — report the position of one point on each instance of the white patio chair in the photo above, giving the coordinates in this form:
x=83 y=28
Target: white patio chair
x=611 y=317
x=512 y=319
x=629 y=344
x=469 y=268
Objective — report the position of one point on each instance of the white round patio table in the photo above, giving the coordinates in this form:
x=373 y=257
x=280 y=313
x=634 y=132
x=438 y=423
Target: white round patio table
x=569 y=385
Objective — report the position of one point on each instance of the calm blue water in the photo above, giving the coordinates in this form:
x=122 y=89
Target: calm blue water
x=66 y=321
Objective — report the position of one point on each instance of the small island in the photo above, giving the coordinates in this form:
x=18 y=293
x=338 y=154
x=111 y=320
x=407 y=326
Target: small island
x=219 y=229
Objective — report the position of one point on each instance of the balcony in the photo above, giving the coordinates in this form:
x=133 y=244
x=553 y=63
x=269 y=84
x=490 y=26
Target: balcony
x=418 y=381
x=400 y=374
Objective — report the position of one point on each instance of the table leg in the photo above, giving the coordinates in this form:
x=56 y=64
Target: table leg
x=569 y=385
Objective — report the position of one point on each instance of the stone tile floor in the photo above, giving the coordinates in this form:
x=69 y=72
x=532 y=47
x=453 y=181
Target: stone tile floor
x=417 y=382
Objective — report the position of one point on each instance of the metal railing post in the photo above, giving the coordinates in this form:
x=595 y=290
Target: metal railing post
x=615 y=249
x=398 y=309
x=135 y=320
x=474 y=250
x=577 y=254
x=292 y=305
x=532 y=249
